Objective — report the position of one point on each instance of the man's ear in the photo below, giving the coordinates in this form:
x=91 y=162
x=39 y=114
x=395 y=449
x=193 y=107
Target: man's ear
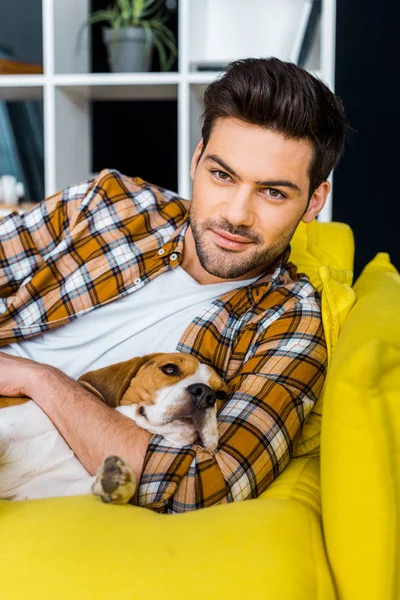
x=195 y=158
x=317 y=202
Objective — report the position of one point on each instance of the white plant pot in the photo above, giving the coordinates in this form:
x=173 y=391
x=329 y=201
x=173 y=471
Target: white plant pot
x=127 y=50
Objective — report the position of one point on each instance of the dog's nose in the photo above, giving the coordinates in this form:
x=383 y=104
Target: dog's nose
x=203 y=396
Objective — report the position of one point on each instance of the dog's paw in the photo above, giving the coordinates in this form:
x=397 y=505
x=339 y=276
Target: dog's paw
x=115 y=481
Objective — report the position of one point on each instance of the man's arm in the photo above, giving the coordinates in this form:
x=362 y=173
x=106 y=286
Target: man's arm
x=278 y=381
x=27 y=239
x=92 y=429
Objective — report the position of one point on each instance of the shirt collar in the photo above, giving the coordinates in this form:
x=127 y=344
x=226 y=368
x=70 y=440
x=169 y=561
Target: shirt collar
x=178 y=238
x=274 y=272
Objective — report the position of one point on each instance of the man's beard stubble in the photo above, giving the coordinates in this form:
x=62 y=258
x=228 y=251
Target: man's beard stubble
x=234 y=265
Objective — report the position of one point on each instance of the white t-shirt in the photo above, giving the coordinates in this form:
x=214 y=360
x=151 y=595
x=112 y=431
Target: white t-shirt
x=151 y=319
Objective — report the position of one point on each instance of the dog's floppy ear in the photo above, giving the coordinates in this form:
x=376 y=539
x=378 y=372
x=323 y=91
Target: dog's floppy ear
x=225 y=389
x=110 y=383
x=220 y=387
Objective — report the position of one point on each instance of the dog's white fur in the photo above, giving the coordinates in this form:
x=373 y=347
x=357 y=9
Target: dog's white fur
x=161 y=417
x=36 y=462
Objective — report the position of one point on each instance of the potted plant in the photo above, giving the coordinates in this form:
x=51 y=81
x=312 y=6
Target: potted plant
x=135 y=27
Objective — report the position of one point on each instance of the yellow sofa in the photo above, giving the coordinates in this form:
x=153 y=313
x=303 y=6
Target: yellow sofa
x=328 y=527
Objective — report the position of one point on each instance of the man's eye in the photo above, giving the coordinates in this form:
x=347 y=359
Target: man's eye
x=221 y=175
x=275 y=194
x=170 y=369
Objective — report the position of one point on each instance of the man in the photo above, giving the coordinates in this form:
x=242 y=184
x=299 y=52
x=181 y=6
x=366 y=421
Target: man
x=215 y=283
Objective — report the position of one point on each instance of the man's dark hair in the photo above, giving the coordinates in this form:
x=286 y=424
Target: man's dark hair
x=285 y=98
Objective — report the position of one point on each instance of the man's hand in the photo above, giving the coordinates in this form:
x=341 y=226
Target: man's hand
x=20 y=376
x=92 y=429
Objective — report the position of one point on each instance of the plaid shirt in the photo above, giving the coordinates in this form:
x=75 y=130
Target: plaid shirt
x=96 y=242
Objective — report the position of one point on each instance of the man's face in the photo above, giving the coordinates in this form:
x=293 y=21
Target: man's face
x=250 y=191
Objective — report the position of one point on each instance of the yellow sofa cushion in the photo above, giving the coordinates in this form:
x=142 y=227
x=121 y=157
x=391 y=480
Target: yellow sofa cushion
x=299 y=481
x=325 y=252
x=78 y=548
x=360 y=451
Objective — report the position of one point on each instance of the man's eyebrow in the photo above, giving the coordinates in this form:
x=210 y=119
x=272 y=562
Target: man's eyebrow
x=269 y=183
x=223 y=164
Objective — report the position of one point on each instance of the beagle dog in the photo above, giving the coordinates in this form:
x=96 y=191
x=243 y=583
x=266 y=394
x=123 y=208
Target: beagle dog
x=170 y=394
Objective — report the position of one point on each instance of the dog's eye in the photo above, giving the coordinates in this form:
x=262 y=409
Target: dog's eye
x=170 y=369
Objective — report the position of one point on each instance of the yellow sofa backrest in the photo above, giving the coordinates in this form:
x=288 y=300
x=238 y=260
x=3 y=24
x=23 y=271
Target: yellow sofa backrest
x=325 y=252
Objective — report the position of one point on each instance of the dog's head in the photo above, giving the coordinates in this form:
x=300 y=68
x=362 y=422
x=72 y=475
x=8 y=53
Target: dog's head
x=166 y=388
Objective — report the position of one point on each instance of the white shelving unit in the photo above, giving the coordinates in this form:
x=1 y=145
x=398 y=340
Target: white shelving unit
x=207 y=30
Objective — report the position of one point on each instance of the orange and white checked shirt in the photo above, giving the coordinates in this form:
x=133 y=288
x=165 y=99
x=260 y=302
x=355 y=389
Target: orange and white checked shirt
x=101 y=240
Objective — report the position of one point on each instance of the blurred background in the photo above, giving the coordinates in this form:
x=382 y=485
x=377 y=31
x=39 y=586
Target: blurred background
x=72 y=103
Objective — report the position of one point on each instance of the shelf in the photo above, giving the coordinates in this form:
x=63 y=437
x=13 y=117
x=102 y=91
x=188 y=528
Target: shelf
x=104 y=86
x=96 y=79
x=119 y=86
x=203 y=77
x=21 y=87
x=208 y=32
x=120 y=92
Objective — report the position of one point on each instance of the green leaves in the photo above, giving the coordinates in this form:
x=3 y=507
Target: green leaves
x=148 y=14
x=137 y=9
x=125 y=10
x=164 y=41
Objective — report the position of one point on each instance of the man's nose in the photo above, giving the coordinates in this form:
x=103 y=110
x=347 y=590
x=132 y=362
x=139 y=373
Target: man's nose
x=202 y=395
x=239 y=210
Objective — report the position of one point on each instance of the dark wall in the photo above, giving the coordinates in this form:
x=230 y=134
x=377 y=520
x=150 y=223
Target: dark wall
x=367 y=182
x=138 y=138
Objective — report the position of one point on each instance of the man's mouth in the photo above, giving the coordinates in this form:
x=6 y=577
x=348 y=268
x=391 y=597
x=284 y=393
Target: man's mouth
x=229 y=241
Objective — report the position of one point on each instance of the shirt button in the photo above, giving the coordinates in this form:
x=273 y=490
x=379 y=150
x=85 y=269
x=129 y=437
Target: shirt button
x=161 y=251
x=137 y=280
x=173 y=257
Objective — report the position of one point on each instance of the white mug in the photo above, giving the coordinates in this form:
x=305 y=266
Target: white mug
x=10 y=189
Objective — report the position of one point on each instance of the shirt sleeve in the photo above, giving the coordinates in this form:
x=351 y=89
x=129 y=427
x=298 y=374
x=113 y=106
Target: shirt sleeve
x=26 y=239
x=279 y=381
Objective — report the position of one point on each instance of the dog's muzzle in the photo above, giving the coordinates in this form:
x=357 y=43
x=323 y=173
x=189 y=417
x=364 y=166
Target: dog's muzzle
x=202 y=395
